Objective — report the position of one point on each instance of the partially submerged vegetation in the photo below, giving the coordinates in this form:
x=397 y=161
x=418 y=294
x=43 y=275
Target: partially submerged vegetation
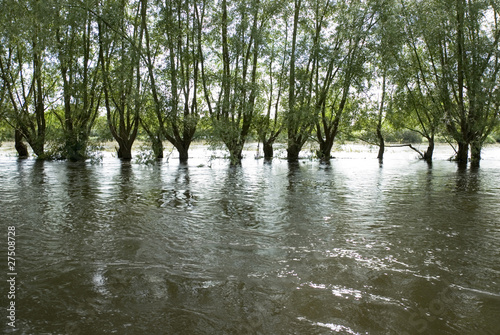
x=75 y=73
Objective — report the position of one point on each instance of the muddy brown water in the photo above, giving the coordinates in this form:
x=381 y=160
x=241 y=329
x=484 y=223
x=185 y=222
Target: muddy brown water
x=351 y=247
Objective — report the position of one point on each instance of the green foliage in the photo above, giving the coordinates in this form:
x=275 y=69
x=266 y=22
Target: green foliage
x=6 y=132
x=402 y=136
x=226 y=71
x=146 y=156
x=100 y=130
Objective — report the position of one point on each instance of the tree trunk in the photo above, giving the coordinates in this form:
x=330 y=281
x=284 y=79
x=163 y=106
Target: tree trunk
x=125 y=150
x=293 y=151
x=294 y=147
x=475 y=153
x=268 y=149
x=381 y=142
x=462 y=153
x=157 y=146
x=381 y=147
x=325 y=150
x=235 y=154
x=429 y=152
x=21 y=148
x=183 y=152
x=75 y=146
x=38 y=147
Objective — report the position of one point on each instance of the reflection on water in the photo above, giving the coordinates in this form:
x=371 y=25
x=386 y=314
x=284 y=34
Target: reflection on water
x=344 y=248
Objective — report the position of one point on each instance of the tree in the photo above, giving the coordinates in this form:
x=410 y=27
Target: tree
x=419 y=74
x=178 y=34
x=327 y=62
x=79 y=64
x=454 y=51
x=233 y=111
x=22 y=70
x=153 y=120
x=121 y=72
x=297 y=118
x=151 y=125
x=343 y=63
x=269 y=125
x=475 y=109
x=385 y=43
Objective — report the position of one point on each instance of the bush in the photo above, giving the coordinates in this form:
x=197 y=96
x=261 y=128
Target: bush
x=409 y=136
x=402 y=136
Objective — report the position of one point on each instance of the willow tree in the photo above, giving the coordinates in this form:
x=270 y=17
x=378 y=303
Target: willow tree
x=77 y=55
x=231 y=91
x=23 y=71
x=153 y=118
x=172 y=53
x=473 y=107
x=419 y=74
x=326 y=60
x=275 y=62
x=385 y=42
x=298 y=118
x=181 y=38
x=122 y=81
x=338 y=59
x=455 y=52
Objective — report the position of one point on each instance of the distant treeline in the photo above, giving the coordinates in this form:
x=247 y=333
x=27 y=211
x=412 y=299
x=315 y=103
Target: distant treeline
x=270 y=70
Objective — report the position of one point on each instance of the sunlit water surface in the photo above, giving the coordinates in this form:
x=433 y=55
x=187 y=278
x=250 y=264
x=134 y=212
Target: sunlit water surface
x=265 y=248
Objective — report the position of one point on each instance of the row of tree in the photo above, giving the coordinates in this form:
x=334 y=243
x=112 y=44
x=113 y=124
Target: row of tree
x=304 y=69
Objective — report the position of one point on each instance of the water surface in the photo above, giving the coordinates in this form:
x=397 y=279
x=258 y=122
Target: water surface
x=264 y=248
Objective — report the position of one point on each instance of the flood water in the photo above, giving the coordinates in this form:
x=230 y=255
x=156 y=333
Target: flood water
x=265 y=248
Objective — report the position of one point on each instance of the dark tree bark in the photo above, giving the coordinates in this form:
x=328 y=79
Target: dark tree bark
x=381 y=144
x=157 y=147
x=293 y=151
x=325 y=147
x=267 y=147
x=294 y=141
x=380 y=137
x=183 y=149
x=429 y=152
x=462 y=153
x=21 y=148
x=475 y=153
x=124 y=150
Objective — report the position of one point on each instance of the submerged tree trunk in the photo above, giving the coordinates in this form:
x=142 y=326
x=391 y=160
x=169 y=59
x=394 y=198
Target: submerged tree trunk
x=293 y=151
x=325 y=149
x=381 y=145
x=183 y=149
x=75 y=148
x=380 y=137
x=125 y=150
x=155 y=136
x=462 y=153
x=267 y=147
x=21 y=148
x=157 y=146
x=475 y=153
x=235 y=152
x=430 y=151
